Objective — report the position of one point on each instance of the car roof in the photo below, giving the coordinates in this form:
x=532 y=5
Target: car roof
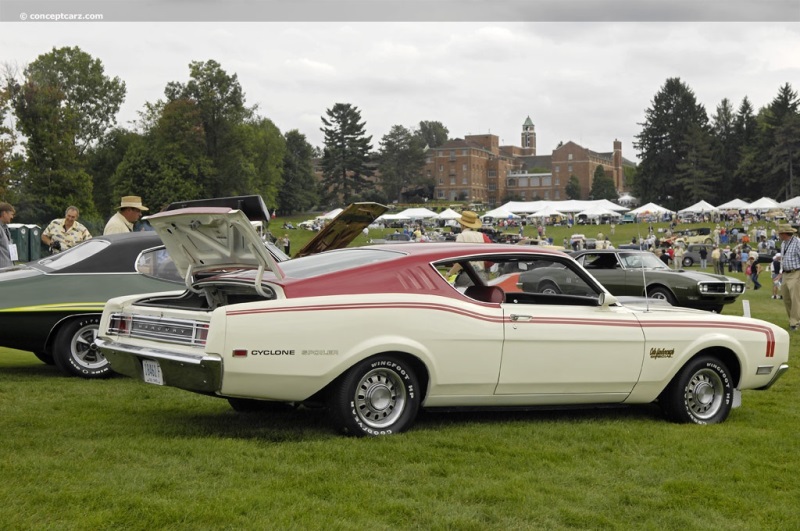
x=118 y=255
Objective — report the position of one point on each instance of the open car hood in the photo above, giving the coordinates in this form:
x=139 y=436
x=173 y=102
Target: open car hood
x=344 y=228
x=212 y=238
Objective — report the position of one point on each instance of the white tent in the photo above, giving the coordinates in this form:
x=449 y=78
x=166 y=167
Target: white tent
x=499 y=213
x=700 y=207
x=650 y=208
x=391 y=217
x=448 y=214
x=547 y=211
x=791 y=203
x=733 y=204
x=417 y=213
x=598 y=211
x=765 y=203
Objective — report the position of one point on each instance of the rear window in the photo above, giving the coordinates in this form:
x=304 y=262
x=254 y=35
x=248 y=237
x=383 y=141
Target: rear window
x=329 y=262
x=72 y=256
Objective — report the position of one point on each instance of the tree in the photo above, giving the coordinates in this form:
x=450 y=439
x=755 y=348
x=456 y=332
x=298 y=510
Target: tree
x=783 y=134
x=346 y=154
x=63 y=105
x=662 y=144
x=8 y=142
x=432 y=134
x=725 y=148
x=221 y=105
x=299 y=191
x=103 y=160
x=401 y=160
x=697 y=172
x=603 y=185
x=263 y=153
x=573 y=189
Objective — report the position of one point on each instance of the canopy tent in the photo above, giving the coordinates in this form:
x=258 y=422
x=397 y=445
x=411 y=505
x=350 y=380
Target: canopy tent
x=791 y=203
x=605 y=203
x=448 y=214
x=765 y=203
x=700 y=207
x=733 y=204
x=650 y=208
x=417 y=213
x=391 y=217
x=626 y=199
x=598 y=211
x=547 y=211
x=499 y=213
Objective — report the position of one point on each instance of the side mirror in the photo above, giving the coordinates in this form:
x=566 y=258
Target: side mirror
x=606 y=299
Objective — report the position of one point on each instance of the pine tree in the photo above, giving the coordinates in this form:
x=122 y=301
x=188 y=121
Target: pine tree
x=346 y=154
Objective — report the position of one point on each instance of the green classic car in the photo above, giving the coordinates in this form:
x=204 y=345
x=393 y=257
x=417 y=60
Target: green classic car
x=639 y=273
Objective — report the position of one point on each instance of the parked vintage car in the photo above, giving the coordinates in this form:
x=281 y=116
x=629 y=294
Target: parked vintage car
x=691 y=255
x=52 y=307
x=641 y=273
x=375 y=333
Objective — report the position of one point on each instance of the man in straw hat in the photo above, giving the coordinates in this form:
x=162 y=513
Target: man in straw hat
x=790 y=275
x=469 y=221
x=128 y=213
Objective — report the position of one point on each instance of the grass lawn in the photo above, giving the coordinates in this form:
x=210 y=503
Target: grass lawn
x=120 y=454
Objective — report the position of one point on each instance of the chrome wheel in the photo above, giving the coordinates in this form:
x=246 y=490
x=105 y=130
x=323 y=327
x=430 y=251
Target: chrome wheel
x=84 y=350
x=703 y=394
x=380 y=398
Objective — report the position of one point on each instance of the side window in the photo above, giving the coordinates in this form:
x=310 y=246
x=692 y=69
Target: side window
x=158 y=263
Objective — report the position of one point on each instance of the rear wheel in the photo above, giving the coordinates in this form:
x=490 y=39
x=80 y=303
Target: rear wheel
x=75 y=351
x=687 y=261
x=379 y=396
x=702 y=392
x=549 y=287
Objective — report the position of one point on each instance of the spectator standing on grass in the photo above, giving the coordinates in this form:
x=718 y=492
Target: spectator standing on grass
x=66 y=232
x=6 y=215
x=470 y=222
x=677 y=257
x=703 y=252
x=775 y=273
x=716 y=260
x=790 y=273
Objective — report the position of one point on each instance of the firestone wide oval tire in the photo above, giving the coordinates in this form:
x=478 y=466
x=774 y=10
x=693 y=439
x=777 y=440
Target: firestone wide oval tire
x=75 y=352
x=702 y=392
x=378 y=396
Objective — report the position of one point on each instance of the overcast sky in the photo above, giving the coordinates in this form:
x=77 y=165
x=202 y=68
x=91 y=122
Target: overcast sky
x=589 y=82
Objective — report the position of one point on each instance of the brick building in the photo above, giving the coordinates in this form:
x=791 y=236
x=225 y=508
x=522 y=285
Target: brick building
x=477 y=169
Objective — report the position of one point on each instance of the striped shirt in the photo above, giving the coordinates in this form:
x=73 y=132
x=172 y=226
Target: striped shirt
x=790 y=254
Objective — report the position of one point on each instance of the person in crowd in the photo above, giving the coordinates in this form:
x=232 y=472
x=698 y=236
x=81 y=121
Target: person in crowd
x=716 y=260
x=775 y=273
x=128 y=213
x=790 y=273
x=753 y=269
x=6 y=215
x=677 y=256
x=664 y=257
x=66 y=232
x=703 y=252
x=286 y=244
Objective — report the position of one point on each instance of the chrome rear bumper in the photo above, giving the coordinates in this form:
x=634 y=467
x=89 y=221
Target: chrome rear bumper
x=194 y=372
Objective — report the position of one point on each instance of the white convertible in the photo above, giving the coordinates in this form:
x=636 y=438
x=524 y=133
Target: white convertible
x=375 y=333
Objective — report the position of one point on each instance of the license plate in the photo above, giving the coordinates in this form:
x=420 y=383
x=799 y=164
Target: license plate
x=151 y=372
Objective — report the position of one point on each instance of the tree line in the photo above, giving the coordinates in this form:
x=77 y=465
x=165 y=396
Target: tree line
x=736 y=153
x=60 y=145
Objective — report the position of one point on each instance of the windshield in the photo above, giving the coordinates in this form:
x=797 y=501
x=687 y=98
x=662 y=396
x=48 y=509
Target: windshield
x=73 y=256
x=642 y=260
x=323 y=263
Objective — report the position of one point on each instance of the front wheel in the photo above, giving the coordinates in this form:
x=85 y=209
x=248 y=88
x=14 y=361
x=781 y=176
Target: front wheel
x=702 y=392
x=75 y=352
x=379 y=396
x=661 y=294
x=687 y=262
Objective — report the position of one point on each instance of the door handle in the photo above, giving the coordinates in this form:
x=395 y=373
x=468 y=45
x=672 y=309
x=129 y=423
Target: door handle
x=516 y=317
